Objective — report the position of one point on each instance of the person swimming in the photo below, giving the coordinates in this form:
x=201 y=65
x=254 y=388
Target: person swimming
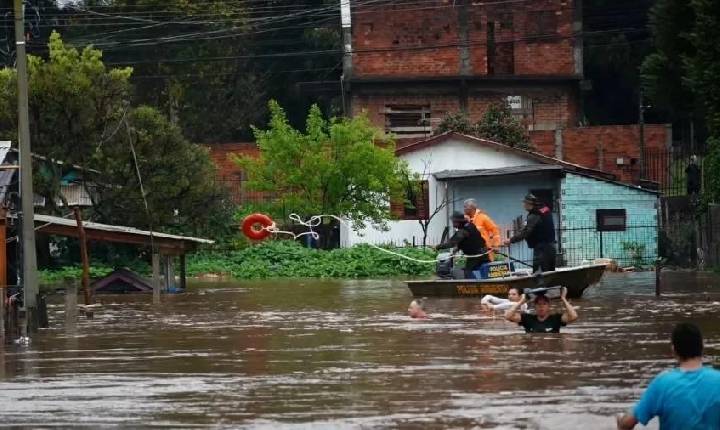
x=416 y=309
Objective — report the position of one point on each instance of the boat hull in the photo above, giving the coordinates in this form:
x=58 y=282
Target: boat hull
x=575 y=279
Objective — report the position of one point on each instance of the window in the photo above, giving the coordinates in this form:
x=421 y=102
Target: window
x=541 y=23
x=416 y=204
x=611 y=219
x=545 y=195
x=408 y=121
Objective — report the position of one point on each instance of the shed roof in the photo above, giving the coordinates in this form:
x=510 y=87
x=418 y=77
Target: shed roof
x=459 y=174
x=168 y=243
x=540 y=158
x=447 y=175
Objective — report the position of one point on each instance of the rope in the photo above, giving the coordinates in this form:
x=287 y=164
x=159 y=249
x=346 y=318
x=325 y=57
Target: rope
x=316 y=220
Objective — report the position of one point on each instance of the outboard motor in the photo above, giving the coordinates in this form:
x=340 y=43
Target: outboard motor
x=444 y=265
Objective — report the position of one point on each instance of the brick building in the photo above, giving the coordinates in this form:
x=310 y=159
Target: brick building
x=411 y=63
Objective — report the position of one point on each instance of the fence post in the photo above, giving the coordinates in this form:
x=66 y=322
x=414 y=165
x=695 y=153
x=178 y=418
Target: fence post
x=601 y=245
x=658 y=275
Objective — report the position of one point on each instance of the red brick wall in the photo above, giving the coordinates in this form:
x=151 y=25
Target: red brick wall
x=374 y=106
x=599 y=147
x=422 y=39
x=230 y=175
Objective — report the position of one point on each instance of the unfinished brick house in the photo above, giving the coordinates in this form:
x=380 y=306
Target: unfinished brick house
x=413 y=62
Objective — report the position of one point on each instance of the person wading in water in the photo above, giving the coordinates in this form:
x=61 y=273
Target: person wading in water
x=467 y=238
x=539 y=233
x=542 y=321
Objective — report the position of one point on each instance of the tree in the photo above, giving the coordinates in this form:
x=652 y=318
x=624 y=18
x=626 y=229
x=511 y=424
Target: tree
x=80 y=114
x=338 y=166
x=176 y=175
x=497 y=124
x=703 y=71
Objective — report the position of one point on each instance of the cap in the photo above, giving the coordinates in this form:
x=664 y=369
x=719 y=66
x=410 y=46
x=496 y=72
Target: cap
x=458 y=217
x=530 y=198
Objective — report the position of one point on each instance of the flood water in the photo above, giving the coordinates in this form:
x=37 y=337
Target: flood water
x=343 y=354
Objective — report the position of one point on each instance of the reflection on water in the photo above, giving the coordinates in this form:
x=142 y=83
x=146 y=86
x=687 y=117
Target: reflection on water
x=343 y=354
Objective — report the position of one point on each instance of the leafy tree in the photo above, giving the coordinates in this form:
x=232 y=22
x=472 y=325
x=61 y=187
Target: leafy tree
x=177 y=177
x=703 y=71
x=80 y=114
x=336 y=166
x=497 y=124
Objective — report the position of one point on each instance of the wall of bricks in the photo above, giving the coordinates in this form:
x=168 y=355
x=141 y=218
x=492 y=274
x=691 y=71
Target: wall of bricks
x=599 y=147
x=416 y=40
x=229 y=173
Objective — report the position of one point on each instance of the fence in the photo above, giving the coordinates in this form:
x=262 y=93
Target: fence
x=636 y=246
x=671 y=172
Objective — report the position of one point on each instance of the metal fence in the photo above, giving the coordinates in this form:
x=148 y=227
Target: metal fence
x=636 y=245
x=671 y=172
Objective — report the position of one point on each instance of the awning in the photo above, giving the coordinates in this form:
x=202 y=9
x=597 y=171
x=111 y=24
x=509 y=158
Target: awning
x=514 y=170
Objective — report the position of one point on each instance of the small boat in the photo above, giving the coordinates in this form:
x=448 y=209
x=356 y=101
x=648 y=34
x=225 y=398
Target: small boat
x=576 y=279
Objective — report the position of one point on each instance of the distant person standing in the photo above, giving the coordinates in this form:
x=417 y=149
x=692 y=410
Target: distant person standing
x=694 y=177
x=485 y=225
x=539 y=233
x=684 y=398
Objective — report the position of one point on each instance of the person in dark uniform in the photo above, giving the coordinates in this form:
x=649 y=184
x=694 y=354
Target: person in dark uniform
x=468 y=239
x=539 y=233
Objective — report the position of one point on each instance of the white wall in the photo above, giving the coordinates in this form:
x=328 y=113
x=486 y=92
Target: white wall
x=448 y=155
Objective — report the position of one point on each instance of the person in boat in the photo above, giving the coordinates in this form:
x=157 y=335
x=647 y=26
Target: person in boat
x=468 y=239
x=492 y=303
x=686 y=397
x=542 y=321
x=416 y=309
x=539 y=233
x=485 y=225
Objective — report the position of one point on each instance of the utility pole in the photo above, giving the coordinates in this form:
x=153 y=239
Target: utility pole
x=27 y=217
x=345 y=21
x=641 y=122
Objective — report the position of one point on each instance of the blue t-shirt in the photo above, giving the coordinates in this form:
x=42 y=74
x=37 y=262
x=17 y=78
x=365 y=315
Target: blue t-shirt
x=685 y=400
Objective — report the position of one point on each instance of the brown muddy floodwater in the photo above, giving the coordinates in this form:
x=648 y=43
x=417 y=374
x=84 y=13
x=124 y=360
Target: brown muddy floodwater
x=343 y=354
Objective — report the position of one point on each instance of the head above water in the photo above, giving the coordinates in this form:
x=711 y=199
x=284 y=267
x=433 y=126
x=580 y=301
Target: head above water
x=542 y=305
x=514 y=294
x=416 y=309
x=469 y=207
x=687 y=341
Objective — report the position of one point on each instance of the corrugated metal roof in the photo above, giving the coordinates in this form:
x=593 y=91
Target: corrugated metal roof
x=458 y=174
x=49 y=219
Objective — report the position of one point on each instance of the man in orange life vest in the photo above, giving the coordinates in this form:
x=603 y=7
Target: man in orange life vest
x=487 y=227
x=539 y=233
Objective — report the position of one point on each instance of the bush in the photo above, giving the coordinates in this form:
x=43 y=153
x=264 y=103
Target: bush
x=288 y=259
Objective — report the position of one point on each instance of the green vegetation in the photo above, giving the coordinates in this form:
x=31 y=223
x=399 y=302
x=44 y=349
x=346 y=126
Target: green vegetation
x=288 y=259
x=281 y=259
x=81 y=114
x=635 y=252
x=497 y=124
x=335 y=166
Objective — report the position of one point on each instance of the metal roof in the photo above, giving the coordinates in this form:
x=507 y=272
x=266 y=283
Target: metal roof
x=87 y=225
x=459 y=174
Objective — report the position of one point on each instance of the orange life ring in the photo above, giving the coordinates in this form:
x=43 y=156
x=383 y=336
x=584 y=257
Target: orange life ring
x=253 y=226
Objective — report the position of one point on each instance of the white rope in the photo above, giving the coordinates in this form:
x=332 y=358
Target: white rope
x=316 y=220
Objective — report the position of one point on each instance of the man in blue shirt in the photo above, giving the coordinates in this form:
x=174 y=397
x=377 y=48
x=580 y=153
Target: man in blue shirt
x=686 y=397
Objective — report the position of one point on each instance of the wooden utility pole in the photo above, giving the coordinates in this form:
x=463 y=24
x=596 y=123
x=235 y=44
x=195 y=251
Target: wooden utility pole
x=29 y=259
x=84 y=256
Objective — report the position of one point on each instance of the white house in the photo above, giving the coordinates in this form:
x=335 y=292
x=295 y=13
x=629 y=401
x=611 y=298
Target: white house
x=457 y=167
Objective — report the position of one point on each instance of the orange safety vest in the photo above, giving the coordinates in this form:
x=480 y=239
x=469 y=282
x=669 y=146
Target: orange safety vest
x=488 y=230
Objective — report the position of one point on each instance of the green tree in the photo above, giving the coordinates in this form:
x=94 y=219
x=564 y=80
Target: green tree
x=177 y=177
x=80 y=114
x=703 y=71
x=336 y=166
x=497 y=124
